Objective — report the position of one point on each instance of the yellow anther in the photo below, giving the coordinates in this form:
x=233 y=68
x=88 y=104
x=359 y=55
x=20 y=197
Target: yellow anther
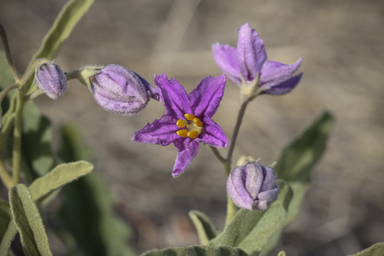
x=182 y=133
x=189 y=117
x=193 y=134
x=197 y=122
x=180 y=123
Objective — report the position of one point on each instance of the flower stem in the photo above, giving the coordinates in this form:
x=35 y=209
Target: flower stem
x=236 y=130
x=218 y=155
x=231 y=207
x=7 y=50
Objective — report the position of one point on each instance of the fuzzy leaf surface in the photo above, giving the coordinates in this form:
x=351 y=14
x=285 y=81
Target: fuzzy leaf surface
x=60 y=31
x=204 y=227
x=295 y=163
x=7 y=239
x=58 y=177
x=197 y=251
x=251 y=230
x=5 y=217
x=28 y=222
x=374 y=250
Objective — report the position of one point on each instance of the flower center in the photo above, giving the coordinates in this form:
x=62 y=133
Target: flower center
x=192 y=129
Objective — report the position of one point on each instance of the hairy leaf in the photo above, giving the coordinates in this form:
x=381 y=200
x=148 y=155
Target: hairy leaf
x=69 y=16
x=5 y=217
x=7 y=239
x=58 y=177
x=28 y=222
x=251 y=230
x=204 y=227
x=294 y=165
x=197 y=251
x=374 y=250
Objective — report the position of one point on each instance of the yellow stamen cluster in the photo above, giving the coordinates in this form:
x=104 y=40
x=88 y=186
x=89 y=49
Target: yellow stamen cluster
x=193 y=129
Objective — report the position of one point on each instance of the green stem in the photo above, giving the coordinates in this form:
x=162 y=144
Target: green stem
x=236 y=130
x=231 y=207
x=73 y=74
x=4 y=92
x=5 y=176
x=16 y=154
x=8 y=54
x=218 y=155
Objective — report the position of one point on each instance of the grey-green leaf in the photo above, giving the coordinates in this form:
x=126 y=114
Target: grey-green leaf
x=296 y=160
x=204 y=227
x=69 y=16
x=5 y=217
x=66 y=21
x=28 y=222
x=251 y=230
x=374 y=250
x=7 y=239
x=58 y=177
x=294 y=165
x=197 y=251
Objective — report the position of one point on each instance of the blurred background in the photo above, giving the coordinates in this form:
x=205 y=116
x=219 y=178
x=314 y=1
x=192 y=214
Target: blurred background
x=342 y=44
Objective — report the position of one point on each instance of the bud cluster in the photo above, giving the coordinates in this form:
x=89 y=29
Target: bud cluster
x=115 y=88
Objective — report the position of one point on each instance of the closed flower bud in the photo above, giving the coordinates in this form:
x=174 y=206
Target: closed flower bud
x=120 y=90
x=252 y=186
x=51 y=80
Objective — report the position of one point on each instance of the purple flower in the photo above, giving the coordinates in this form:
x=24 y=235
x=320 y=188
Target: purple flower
x=121 y=91
x=250 y=60
x=187 y=121
x=252 y=186
x=51 y=80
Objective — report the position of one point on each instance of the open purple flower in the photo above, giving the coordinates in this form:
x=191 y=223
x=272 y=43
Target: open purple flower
x=249 y=60
x=187 y=121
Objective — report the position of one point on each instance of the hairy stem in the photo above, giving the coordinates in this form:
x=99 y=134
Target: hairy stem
x=8 y=54
x=236 y=130
x=231 y=207
x=5 y=176
x=4 y=92
x=16 y=154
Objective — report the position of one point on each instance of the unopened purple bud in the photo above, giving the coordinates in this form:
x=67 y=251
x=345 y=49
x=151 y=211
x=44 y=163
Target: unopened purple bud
x=51 y=80
x=252 y=186
x=121 y=91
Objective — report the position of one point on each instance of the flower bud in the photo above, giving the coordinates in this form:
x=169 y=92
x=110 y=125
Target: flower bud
x=121 y=91
x=51 y=80
x=252 y=186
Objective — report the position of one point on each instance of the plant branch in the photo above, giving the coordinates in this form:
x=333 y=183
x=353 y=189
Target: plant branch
x=5 y=176
x=4 y=92
x=236 y=131
x=16 y=154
